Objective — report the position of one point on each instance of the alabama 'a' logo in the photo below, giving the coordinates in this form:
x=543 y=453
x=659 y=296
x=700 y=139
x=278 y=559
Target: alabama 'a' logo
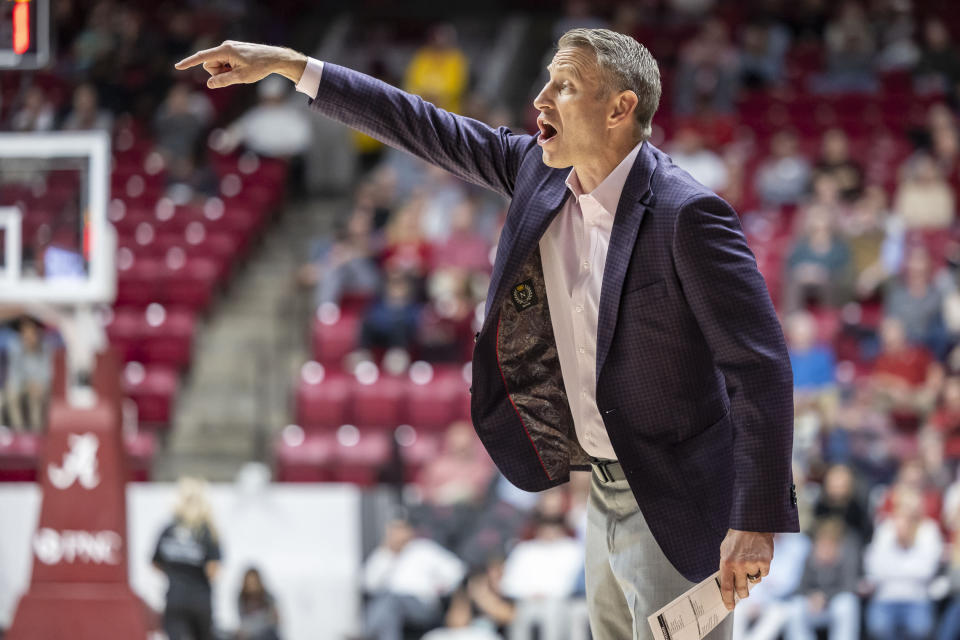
x=79 y=463
x=524 y=296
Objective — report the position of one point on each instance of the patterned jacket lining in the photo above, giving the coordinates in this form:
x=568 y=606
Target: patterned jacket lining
x=530 y=368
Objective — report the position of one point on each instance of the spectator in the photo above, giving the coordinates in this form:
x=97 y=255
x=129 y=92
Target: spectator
x=190 y=178
x=405 y=577
x=547 y=565
x=86 y=114
x=835 y=161
x=478 y=609
x=443 y=192
x=454 y=487
x=345 y=265
x=812 y=362
x=405 y=248
x=446 y=326
x=96 y=40
x=464 y=247
x=29 y=373
x=439 y=70
x=706 y=167
x=462 y=471
x=500 y=523
x=912 y=479
x=876 y=242
x=783 y=177
x=177 y=126
x=901 y=561
x=707 y=74
x=36 y=114
x=188 y=552
x=939 y=67
x=392 y=320
x=765 y=45
x=850 y=53
x=924 y=200
x=897 y=50
x=275 y=127
x=258 y=611
x=917 y=302
x=900 y=364
x=946 y=151
x=862 y=435
x=818 y=267
x=825 y=191
x=827 y=594
x=542 y=573
x=946 y=418
x=840 y=500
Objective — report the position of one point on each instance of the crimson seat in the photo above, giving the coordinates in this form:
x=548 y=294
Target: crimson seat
x=323 y=399
x=153 y=389
x=380 y=402
x=433 y=404
x=358 y=460
x=167 y=336
x=18 y=456
x=332 y=340
x=308 y=458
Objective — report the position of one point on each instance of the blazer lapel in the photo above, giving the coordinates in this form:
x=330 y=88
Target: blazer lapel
x=634 y=200
x=518 y=240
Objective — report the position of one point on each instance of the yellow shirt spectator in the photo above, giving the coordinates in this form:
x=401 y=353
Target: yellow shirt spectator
x=439 y=72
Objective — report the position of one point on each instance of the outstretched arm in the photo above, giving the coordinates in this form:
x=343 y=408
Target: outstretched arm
x=466 y=147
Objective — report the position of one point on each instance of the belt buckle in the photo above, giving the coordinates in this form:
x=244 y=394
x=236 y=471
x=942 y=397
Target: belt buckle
x=601 y=467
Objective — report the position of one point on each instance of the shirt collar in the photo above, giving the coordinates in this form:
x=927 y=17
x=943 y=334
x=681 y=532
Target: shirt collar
x=607 y=194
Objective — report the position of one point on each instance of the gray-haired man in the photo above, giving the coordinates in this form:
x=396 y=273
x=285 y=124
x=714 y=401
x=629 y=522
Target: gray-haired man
x=627 y=328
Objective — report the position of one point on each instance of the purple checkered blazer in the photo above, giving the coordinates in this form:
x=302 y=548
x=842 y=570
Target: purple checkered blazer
x=693 y=379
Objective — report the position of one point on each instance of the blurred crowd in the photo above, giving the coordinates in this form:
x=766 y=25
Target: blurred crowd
x=831 y=127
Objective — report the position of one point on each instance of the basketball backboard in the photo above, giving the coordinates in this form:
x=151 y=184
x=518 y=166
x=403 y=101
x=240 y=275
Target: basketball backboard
x=57 y=244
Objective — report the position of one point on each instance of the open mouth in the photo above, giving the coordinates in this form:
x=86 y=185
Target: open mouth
x=547 y=132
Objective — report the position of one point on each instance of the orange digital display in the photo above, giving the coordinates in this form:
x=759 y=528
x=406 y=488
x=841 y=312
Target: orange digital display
x=21 y=26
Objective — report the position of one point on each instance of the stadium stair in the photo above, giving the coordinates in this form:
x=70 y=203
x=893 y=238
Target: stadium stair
x=237 y=395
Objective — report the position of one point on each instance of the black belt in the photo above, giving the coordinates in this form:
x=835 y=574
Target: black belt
x=607 y=470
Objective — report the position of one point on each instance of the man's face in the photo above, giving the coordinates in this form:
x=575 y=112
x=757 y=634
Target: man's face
x=572 y=110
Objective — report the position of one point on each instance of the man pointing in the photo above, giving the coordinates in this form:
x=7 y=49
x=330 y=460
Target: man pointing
x=627 y=328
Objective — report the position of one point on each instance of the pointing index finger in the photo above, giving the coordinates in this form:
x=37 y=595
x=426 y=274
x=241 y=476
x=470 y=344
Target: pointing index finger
x=198 y=57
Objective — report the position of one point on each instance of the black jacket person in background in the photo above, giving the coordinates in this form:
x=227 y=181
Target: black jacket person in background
x=189 y=554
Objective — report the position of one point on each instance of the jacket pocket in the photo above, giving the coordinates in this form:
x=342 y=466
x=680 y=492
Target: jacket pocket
x=705 y=462
x=650 y=290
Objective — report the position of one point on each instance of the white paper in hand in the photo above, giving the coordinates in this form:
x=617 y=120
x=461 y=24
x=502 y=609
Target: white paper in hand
x=693 y=615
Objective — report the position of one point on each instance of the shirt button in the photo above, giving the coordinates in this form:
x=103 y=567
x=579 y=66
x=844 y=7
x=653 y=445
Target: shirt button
x=586 y=265
x=582 y=350
x=578 y=308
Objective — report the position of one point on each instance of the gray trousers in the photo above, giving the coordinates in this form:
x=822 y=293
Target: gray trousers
x=627 y=575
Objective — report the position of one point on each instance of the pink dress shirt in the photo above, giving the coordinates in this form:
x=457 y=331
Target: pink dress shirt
x=573 y=251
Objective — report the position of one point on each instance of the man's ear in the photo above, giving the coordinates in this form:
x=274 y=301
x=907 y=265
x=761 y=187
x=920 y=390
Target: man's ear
x=623 y=107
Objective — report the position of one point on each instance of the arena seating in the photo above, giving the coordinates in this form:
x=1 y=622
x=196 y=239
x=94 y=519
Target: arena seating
x=172 y=261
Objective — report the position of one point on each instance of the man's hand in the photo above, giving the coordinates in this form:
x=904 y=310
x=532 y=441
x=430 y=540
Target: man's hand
x=244 y=63
x=743 y=553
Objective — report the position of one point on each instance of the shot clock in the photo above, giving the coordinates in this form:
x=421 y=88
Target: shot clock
x=24 y=34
